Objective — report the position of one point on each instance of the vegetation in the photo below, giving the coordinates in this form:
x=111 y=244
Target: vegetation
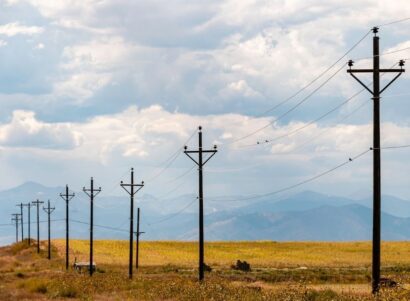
x=280 y=271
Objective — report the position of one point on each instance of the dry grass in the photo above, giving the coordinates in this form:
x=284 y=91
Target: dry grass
x=260 y=254
x=334 y=271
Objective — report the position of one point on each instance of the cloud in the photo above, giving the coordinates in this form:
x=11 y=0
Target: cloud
x=3 y=43
x=13 y=29
x=25 y=130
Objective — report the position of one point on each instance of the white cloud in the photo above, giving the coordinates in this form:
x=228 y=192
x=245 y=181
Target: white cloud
x=13 y=29
x=25 y=130
x=3 y=43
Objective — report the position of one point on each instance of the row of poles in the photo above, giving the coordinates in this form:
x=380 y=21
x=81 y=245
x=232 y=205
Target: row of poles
x=132 y=189
x=17 y=218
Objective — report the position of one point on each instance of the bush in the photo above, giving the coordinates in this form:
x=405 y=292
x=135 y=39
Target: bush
x=241 y=266
x=207 y=268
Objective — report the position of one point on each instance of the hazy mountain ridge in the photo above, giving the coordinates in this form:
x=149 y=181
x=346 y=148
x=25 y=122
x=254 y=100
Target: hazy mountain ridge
x=301 y=216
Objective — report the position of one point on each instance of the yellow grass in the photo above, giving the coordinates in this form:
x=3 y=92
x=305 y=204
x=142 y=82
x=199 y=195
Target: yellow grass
x=334 y=271
x=259 y=254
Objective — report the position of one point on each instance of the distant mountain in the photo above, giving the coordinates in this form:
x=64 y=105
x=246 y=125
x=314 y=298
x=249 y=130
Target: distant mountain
x=390 y=204
x=329 y=223
x=306 y=215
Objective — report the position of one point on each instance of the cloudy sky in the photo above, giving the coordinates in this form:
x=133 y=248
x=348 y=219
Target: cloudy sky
x=93 y=87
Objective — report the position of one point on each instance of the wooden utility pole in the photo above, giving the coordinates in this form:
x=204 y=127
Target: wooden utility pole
x=200 y=164
x=37 y=203
x=137 y=239
x=91 y=192
x=16 y=217
x=49 y=210
x=67 y=198
x=131 y=192
x=376 y=92
x=28 y=205
x=21 y=205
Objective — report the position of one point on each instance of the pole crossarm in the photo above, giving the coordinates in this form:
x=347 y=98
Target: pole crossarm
x=371 y=70
x=398 y=71
x=189 y=156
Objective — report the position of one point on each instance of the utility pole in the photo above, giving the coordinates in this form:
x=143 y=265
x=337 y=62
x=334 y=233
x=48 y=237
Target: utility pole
x=22 y=220
x=29 y=222
x=200 y=164
x=67 y=198
x=376 y=92
x=137 y=238
x=131 y=192
x=91 y=192
x=37 y=203
x=16 y=217
x=49 y=210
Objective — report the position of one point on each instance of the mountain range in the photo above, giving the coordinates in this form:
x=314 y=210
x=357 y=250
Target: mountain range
x=303 y=216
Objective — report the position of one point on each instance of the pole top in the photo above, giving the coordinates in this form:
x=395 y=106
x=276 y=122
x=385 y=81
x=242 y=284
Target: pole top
x=375 y=30
x=132 y=168
x=200 y=128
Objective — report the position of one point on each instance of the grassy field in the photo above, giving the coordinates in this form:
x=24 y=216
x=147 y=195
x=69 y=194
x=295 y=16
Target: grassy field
x=280 y=271
x=259 y=254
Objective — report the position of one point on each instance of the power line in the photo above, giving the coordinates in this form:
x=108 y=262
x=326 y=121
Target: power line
x=394 y=22
x=309 y=123
x=170 y=160
x=173 y=215
x=302 y=89
x=288 y=111
x=311 y=139
x=41 y=222
x=383 y=54
x=100 y=226
x=181 y=175
x=316 y=78
x=395 y=147
x=351 y=159
x=315 y=120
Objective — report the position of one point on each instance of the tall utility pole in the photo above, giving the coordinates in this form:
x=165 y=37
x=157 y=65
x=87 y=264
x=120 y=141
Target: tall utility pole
x=28 y=205
x=376 y=92
x=37 y=203
x=22 y=220
x=16 y=217
x=67 y=198
x=201 y=164
x=137 y=239
x=91 y=192
x=131 y=192
x=49 y=210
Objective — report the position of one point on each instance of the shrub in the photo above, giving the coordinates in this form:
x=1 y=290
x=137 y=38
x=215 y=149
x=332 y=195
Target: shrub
x=241 y=266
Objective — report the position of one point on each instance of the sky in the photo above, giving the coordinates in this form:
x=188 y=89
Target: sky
x=95 y=87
